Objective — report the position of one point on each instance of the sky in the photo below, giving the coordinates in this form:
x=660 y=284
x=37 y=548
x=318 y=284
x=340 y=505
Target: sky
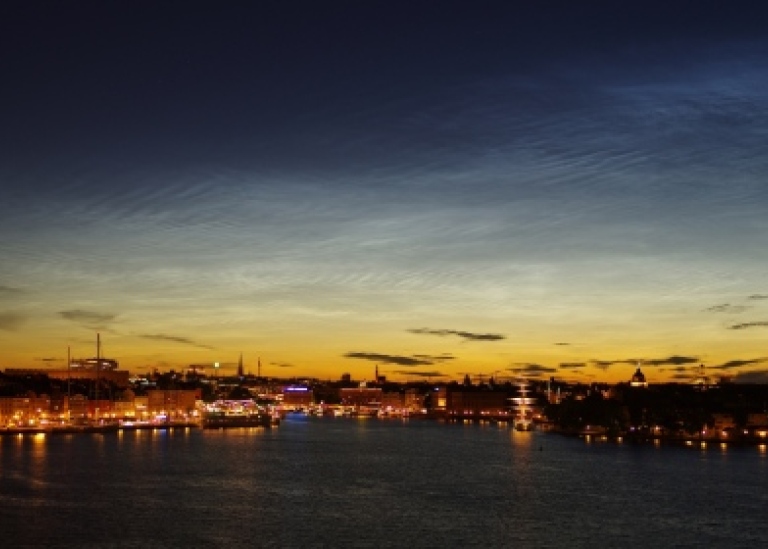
x=436 y=188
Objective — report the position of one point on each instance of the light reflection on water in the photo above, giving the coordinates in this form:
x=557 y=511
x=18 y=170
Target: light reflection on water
x=372 y=483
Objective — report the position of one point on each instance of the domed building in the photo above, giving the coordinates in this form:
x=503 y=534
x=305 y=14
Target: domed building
x=638 y=379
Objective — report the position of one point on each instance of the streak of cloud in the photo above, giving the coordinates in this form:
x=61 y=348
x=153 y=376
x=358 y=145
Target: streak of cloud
x=436 y=358
x=420 y=373
x=605 y=364
x=7 y=291
x=533 y=369
x=758 y=296
x=745 y=325
x=175 y=339
x=732 y=364
x=726 y=308
x=674 y=360
x=89 y=319
x=390 y=359
x=472 y=336
x=572 y=365
x=11 y=322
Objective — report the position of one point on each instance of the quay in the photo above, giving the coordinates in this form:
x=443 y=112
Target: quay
x=114 y=427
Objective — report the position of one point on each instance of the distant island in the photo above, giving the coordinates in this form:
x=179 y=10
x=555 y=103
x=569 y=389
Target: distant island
x=100 y=396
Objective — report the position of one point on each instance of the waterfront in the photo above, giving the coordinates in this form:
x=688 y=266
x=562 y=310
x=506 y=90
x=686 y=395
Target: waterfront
x=323 y=482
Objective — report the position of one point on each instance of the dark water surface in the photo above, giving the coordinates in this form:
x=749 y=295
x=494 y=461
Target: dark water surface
x=375 y=483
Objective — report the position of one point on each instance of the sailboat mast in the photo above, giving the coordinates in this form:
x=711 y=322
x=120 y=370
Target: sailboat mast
x=69 y=383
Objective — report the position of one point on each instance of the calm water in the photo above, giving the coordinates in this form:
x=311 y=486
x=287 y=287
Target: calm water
x=374 y=483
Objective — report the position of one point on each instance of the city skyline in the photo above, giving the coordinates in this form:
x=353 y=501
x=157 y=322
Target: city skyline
x=435 y=189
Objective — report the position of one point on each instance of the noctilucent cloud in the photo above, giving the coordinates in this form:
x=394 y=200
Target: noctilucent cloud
x=564 y=188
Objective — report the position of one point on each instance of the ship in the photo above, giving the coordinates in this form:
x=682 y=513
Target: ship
x=523 y=406
x=222 y=420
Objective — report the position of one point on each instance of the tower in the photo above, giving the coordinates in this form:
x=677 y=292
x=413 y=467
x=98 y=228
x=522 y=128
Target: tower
x=240 y=366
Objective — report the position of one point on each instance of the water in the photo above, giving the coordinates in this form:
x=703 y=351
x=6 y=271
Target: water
x=375 y=483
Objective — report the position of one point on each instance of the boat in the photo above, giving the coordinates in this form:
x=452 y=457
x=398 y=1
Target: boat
x=522 y=407
x=221 y=420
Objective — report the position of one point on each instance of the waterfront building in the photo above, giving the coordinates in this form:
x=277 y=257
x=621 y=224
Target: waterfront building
x=24 y=410
x=455 y=401
x=297 y=397
x=362 y=399
x=172 y=403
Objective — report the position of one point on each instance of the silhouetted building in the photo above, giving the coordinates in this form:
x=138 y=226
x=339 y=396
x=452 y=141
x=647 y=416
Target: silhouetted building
x=638 y=379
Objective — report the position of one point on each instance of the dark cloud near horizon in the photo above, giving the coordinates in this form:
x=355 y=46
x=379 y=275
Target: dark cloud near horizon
x=533 y=369
x=745 y=325
x=674 y=360
x=726 y=308
x=282 y=364
x=571 y=365
x=472 y=336
x=756 y=376
x=731 y=364
x=175 y=339
x=390 y=359
x=89 y=319
x=758 y=296
x=436 y=358
x=562 y=344
x=11 y=322
x=419 y=373
x=605 y=364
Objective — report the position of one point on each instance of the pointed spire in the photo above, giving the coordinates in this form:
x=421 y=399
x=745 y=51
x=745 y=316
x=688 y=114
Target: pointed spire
x=240 y=366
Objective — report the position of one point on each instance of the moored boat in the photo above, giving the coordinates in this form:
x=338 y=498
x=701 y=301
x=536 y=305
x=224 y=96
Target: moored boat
x=219 y=420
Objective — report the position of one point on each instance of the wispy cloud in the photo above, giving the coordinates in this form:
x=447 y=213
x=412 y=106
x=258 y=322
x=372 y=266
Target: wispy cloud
x=472 y=336
x=390 y=359
x=282 y=365
x=605 y=364
x=532 y=369
x=572 y=365
x=436 y=358
x=726 y=308
x=175 y=339
x=758 y=296
x=11 y=321
x=419 y=373
x=6 y=291
x=745 y=325
x=732 y=364
x=89 y=319
x=674 y=360
x=562 y=344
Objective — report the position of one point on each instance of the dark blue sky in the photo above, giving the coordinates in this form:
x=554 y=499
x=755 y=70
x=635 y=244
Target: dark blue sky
x=590 y=173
